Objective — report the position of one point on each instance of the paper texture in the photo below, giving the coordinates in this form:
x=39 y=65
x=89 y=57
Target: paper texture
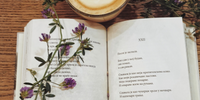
x=193 y=62
x=19 y=54
x=91 y=77
x=148 y=61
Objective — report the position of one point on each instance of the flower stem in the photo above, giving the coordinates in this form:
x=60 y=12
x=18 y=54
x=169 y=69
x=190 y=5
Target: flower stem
x=47 y=49
x=56 y=47
x=52 y=56
x=58 y=67
x=54 y=83
x=37 y=92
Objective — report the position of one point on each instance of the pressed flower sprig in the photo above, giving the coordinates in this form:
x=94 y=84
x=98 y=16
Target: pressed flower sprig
x=42 y=87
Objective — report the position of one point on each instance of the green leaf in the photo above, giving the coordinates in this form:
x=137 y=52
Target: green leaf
x=27 y=83
x=40 y=59
x=52 y=23
x=66 y=43
x=41 y=64
x=52 y=29
x=49 y=56
x=83 y=51
x=49 y=78
x=50 y=95
x=63 y=50
x=88 y=48
x=81 y=59
x=35 y=91
x=61 y=26
x=48 y=87
x=69 y=43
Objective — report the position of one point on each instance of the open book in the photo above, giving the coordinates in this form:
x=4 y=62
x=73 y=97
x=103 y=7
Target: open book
x=147 y=59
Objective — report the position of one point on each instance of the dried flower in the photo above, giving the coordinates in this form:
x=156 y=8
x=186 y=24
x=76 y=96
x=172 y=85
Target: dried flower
x=33 y=72
x=178 y=1
x=47 y=13
x=80 y=29
x=26 y=92
x=45 y=37
x=68 y=83
x=67 y=47
x=86 y=43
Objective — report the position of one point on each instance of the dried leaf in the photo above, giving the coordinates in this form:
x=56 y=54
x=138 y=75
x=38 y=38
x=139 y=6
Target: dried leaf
x=49 y=78
x=40 y=59
x=50 y=95
x=49 y=56
x=52 y=23
x=63 y=50
x=41 y=64
x=83 y=51
x=81 y=59
x=27 y=83
x=48 y=87
x=88 y=48
x=52 y=29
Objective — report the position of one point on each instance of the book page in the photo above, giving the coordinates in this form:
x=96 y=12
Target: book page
x=147 y=60
x=19 y=54
x=90 y=76
x=193 y=62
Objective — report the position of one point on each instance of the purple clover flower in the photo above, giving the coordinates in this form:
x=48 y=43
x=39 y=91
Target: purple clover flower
x=66 y=49
x=68 y=83
x=45 y=37
x=80 y=29
x=47 y=13
x=26 y=92
x=178 y=1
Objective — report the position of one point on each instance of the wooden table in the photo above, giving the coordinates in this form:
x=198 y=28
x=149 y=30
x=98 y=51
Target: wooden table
x=15 y=14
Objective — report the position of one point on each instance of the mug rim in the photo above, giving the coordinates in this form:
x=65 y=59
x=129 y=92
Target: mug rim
x=101 y=15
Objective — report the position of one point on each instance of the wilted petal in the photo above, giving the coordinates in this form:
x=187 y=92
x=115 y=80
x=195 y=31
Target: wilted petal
x=67 y=49
x=68 y=83
x=73 y=31
x=76 y=29
x=47 y=13
x=80 y=26
x=26 y=92
x=80 y=29
x=45 y=37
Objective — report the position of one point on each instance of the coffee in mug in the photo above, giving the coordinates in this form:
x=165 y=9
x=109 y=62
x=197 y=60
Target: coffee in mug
x=98 y=10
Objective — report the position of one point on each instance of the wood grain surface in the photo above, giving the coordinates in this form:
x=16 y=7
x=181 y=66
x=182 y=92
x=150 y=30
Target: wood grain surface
x=15 y=14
